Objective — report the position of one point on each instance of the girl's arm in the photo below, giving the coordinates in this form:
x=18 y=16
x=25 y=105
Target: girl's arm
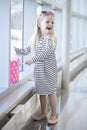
x=47 y=50
x=25 y=51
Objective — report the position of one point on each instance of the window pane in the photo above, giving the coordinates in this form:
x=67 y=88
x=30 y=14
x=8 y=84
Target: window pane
x=16 y=39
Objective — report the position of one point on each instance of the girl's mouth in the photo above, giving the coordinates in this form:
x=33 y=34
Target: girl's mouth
x=49 y=28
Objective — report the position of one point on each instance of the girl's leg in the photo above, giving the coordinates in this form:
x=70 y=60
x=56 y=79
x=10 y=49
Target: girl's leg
x=43 y=103
x=53 y=104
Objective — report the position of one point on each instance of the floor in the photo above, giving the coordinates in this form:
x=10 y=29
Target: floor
x=72 y=108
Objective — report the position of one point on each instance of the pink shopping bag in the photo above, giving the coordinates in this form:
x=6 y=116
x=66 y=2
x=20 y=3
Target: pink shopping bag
x=14 y=71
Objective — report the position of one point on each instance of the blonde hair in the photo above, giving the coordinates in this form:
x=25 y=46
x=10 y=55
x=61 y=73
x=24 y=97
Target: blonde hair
x=36 y=35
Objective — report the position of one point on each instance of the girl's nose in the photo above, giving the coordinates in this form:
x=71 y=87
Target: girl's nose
x=50 y=24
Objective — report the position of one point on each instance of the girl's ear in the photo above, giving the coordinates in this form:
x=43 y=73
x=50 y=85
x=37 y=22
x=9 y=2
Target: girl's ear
x=38 y=24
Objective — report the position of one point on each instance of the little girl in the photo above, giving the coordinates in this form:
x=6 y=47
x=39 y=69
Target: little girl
x=45 y=72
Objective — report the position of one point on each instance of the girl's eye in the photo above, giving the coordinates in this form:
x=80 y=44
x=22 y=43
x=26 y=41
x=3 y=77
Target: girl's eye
x=47 y=21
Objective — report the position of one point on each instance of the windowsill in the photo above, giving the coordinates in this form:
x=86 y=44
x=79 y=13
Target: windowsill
x=24 y=76
x=11 y=96
x=10 y=101
x=2 y=89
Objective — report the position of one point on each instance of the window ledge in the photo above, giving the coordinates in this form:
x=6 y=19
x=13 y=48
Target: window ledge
x=16 y=96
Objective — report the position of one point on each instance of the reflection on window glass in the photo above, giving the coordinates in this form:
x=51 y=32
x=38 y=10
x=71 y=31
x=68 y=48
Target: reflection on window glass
x=16 y=22
x=16 y=39
x=16 y=25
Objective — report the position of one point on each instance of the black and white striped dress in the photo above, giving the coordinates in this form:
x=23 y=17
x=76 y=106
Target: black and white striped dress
x=45 y=71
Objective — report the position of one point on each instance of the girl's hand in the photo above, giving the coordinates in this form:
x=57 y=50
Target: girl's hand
x=28 y=62
x=15 y=48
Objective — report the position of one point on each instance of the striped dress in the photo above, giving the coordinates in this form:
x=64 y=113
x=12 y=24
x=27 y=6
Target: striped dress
x=45 y=71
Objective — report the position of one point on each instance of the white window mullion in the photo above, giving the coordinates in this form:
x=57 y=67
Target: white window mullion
x=4 y=42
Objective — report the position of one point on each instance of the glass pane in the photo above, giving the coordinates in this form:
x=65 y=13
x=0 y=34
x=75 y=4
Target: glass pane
x=74 y=34
x=16 y=39
x=75 y=5
x=81 y=33
x=38 y=9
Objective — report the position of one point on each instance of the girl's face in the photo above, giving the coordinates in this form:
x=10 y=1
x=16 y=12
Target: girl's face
x=47 y=25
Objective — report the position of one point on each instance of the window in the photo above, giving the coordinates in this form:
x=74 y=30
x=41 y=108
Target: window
x=16 y=39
